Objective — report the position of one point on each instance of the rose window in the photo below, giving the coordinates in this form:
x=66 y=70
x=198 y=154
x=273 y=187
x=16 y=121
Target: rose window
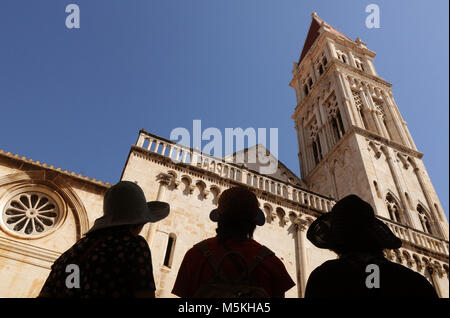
x=31 y=214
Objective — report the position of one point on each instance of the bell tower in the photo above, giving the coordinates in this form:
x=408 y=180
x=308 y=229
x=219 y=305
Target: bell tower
x=352 y=137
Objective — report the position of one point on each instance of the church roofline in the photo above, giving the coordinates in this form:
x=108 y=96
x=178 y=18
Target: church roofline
x=70 y=174
x=267 y=151
x=221 y=160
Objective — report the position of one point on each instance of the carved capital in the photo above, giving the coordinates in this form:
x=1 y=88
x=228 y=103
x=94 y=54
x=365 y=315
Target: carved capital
x=301 y=224
x=164 y=178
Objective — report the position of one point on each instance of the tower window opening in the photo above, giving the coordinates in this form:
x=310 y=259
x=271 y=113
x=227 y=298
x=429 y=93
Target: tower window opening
x=169 y=250
x=424 y=219
x=310 y=83
x=393 y=208
x=320 y=69
x=334 y=124
x=340 y=124
x=305 y=89
x=317 y=150
x=375 y=184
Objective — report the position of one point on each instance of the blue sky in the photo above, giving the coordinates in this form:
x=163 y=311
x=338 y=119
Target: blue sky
x=77 y=98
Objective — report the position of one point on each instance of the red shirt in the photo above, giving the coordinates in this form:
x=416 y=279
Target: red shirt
x=195 y=269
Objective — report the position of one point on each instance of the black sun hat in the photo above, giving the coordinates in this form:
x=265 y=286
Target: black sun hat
x=351 y=225
x=125 y=204
x=238 y=203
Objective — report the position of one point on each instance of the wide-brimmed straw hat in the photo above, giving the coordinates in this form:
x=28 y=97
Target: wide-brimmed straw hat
x=125 y=204
x=351 y=226
x=238 y=203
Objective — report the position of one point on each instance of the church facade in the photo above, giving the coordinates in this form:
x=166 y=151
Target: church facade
x=351 y=139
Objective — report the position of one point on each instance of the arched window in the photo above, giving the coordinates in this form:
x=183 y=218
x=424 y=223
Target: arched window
x=305 y=89
x=424 y=219
x=320 y=69
x=338 y=126
x=169 y=250
x=393 y=208
x=316 y=151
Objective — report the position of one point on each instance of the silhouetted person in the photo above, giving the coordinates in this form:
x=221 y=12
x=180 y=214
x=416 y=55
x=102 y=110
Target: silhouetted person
x=113 y=260
x=199 y=275
x=353 y=232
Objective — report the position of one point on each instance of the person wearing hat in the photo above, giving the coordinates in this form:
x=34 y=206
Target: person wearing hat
x=352 y=231
x=237 y=216
x=111 y=260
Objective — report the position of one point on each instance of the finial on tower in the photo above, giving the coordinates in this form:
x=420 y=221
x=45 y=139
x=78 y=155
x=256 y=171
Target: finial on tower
x=314 y=14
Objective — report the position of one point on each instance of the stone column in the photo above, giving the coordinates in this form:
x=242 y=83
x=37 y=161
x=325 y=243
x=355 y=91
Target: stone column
x=398 y=186
x=426 y=194
x=140 y=141
x=301 y=226
x=351 y=58
x=164 y=180
x=367 y=103
x=353 y=109
x=331 y=49
x=343 y=101
x=396 y=118
x=322 y=133
x=435 y=280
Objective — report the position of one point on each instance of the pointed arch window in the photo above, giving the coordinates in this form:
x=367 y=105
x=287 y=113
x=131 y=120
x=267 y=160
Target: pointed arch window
x=316 y=147
x=316 y=151
x=320 y=69
x=305 y=89
x=334 y=114
x=424 y=219
x=338 y=126
x=393 y=208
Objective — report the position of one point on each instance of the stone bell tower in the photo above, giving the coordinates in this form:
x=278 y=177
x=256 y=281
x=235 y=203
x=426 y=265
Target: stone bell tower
x=352 y=137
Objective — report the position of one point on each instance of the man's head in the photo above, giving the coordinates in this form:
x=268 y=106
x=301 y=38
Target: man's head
x=237 y=214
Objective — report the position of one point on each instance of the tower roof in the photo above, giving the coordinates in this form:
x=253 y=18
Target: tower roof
x=314 y=33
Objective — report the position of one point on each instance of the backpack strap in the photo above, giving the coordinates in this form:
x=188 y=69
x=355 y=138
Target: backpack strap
x=203 y=247
x=263 y=253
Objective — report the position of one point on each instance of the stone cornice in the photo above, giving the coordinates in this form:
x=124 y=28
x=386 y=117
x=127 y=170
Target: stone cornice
x=387 y=142
x=365 y=133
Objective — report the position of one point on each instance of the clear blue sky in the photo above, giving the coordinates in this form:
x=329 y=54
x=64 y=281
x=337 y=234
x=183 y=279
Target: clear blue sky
x=77 y=98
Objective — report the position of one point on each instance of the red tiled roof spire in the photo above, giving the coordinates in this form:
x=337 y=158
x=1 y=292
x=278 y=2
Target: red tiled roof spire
x=313 y=34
